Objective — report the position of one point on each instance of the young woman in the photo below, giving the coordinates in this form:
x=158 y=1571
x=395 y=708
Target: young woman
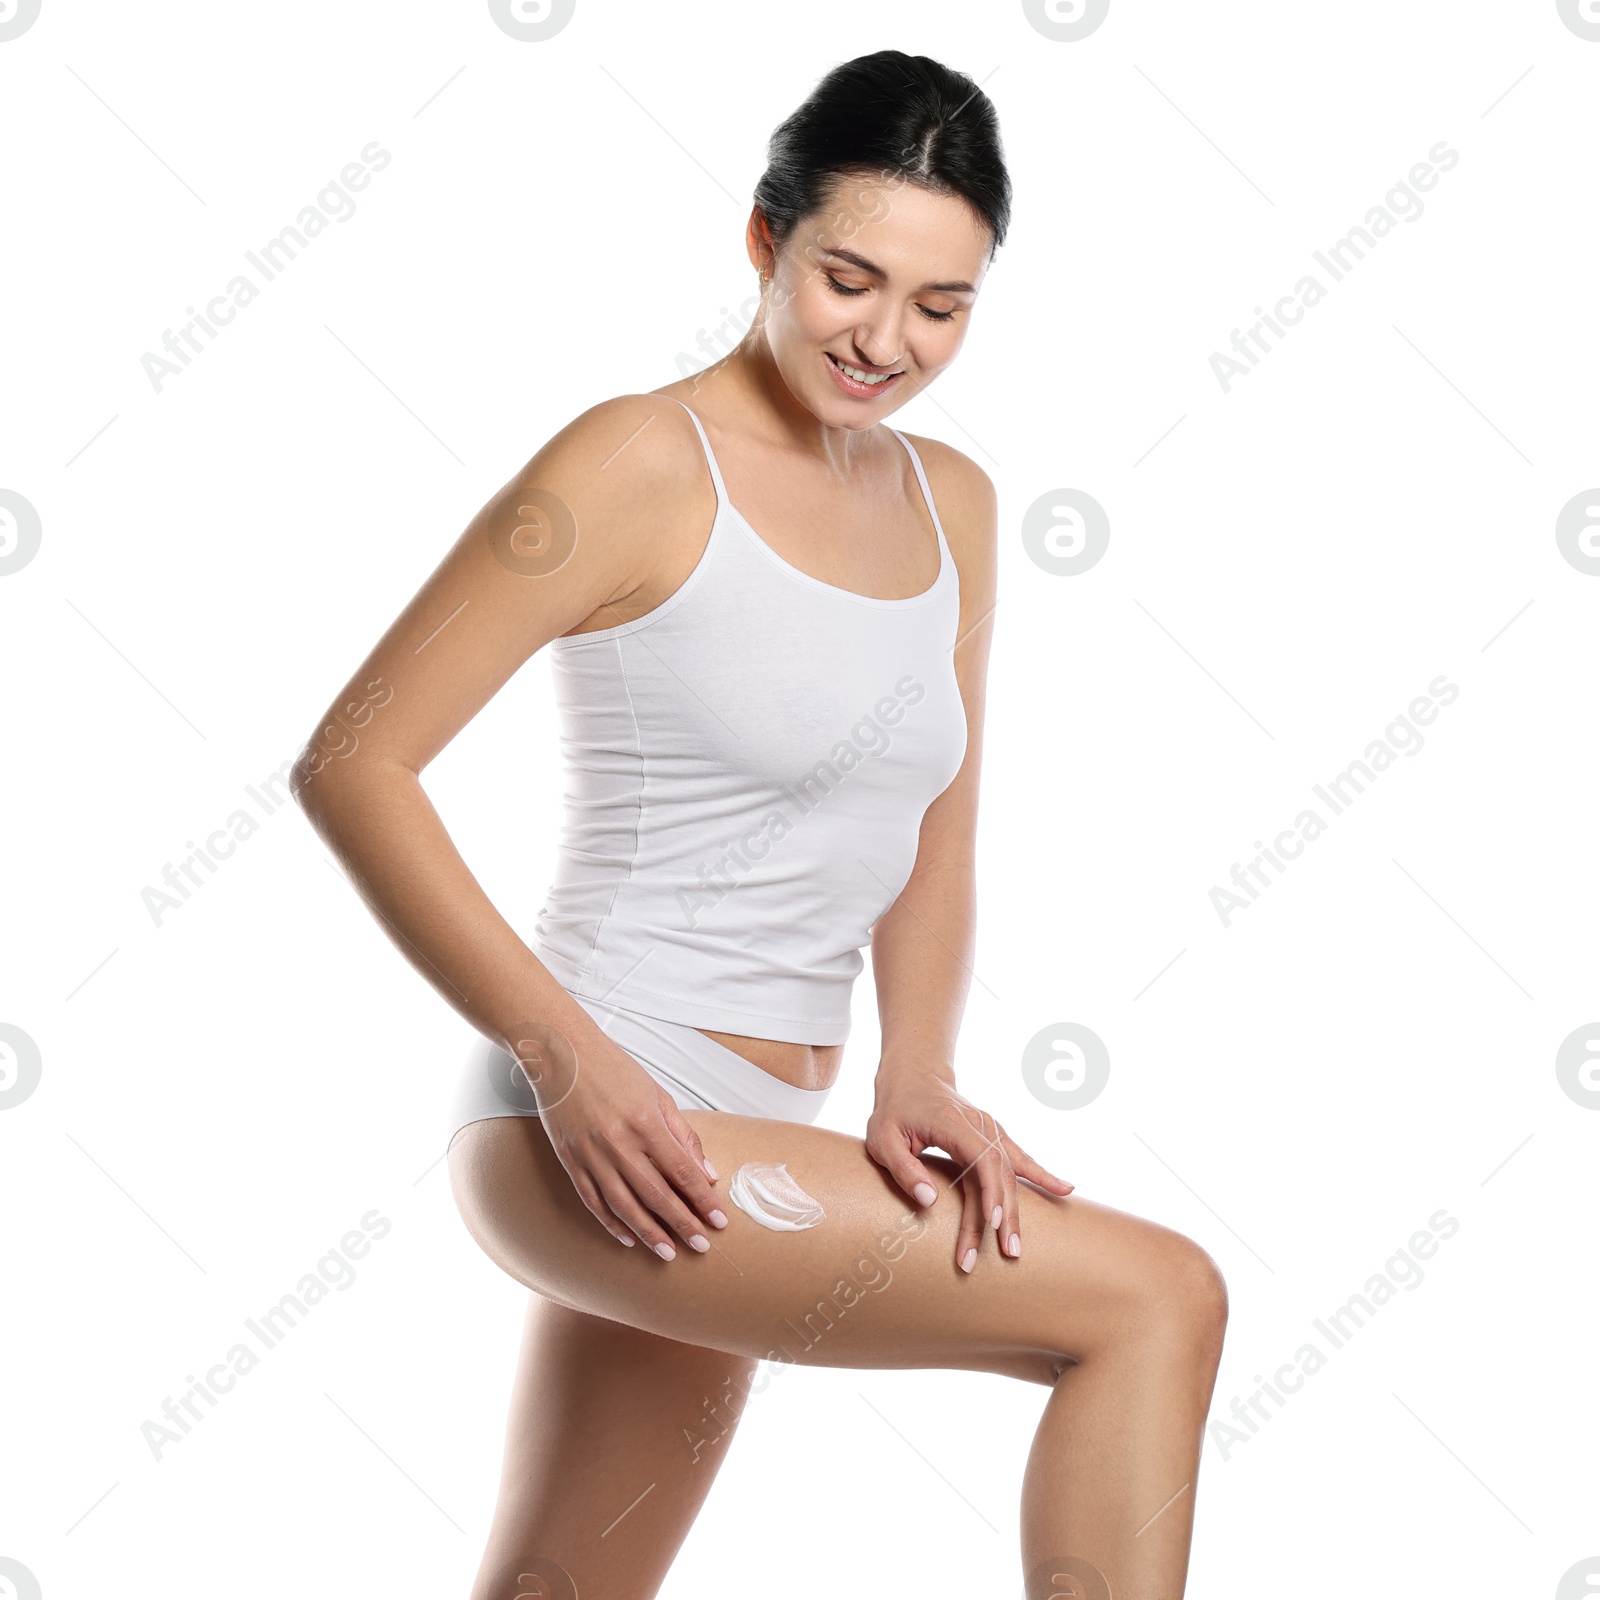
x=768 y=616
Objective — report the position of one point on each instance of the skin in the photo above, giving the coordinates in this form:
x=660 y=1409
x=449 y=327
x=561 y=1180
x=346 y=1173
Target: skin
x=1120 y=1318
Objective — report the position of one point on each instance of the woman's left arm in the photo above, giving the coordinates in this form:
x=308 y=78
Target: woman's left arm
x=922 y=946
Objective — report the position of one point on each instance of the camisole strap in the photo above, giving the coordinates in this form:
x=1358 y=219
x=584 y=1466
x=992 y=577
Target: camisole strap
x=922 y=478
x=711 y=460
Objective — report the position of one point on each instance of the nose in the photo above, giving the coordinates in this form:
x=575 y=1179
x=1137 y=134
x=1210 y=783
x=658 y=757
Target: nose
x=881 y=346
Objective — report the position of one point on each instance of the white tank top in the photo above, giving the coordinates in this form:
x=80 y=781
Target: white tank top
x=747 y=767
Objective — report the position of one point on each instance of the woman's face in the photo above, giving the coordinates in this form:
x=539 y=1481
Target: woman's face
x=882 y=280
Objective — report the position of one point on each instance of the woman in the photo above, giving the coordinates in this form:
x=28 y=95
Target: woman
x=772 y=744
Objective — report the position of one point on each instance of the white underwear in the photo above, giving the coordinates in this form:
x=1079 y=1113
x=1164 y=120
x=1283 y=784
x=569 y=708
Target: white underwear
x=696 y=1071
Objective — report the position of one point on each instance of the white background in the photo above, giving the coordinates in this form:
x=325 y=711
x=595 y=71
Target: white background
x=224 y=1095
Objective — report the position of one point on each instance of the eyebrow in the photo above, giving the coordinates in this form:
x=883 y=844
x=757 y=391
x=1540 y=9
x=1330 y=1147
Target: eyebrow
x=958 y=286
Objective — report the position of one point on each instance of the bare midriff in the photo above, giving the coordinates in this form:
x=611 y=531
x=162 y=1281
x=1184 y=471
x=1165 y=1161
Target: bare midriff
x=805 y=1066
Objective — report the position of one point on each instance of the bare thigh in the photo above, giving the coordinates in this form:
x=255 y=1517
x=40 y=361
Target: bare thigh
x=874 y=1284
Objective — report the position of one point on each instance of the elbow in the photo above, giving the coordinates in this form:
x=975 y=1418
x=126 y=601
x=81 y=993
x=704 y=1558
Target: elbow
x=309 y=780
x=328 y=785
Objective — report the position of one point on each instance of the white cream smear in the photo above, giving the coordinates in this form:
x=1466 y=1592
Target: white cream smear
x=773 y=1198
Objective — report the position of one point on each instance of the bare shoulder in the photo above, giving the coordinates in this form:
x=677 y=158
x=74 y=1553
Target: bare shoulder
x=617 y=475
x=620 y=447
x=575 y=535
x=968 y=506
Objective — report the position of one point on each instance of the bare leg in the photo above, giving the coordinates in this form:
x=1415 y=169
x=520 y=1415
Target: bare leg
x=1111 y=1475
x=613 y=1439
x=1121 y=1318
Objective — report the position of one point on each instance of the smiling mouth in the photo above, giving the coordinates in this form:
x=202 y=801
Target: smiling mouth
x=860 y=374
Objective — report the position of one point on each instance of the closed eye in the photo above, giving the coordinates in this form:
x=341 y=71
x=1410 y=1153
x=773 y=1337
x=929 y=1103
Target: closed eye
x=843 y=288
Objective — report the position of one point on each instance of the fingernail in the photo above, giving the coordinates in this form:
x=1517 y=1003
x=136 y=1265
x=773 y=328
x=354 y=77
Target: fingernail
x=666 y=1252
x=994 y=1220
x=698 y=1241
x=625 y=1238
x=711 y=1171
x=968 y=1259
x=1016 y=1245
x=924 y=1193
x=718 y=1220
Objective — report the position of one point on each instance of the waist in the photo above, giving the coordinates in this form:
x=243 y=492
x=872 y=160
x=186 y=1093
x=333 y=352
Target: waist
x=804 y=1066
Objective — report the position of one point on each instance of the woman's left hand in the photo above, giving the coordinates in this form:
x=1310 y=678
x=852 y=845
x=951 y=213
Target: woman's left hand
x=919 y=1109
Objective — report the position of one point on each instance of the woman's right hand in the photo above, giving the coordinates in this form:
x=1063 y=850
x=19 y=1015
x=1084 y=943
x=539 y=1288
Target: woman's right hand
x=632 y=1156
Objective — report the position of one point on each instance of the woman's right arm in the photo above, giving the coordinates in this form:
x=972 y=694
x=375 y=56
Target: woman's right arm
x=572 y=533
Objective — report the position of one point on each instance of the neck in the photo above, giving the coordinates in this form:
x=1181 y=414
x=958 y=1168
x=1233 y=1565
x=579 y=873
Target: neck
x=746 y=391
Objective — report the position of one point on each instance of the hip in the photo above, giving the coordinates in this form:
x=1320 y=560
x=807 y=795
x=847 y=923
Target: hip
x=698 y=1071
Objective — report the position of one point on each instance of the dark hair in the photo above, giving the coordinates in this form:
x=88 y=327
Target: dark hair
x=897 y=117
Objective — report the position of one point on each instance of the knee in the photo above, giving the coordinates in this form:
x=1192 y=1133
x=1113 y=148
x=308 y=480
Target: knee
x=1146 y=1293
x=1188 y=1297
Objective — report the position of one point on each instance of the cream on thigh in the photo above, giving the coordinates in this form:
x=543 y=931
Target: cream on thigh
x=870 y=1280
